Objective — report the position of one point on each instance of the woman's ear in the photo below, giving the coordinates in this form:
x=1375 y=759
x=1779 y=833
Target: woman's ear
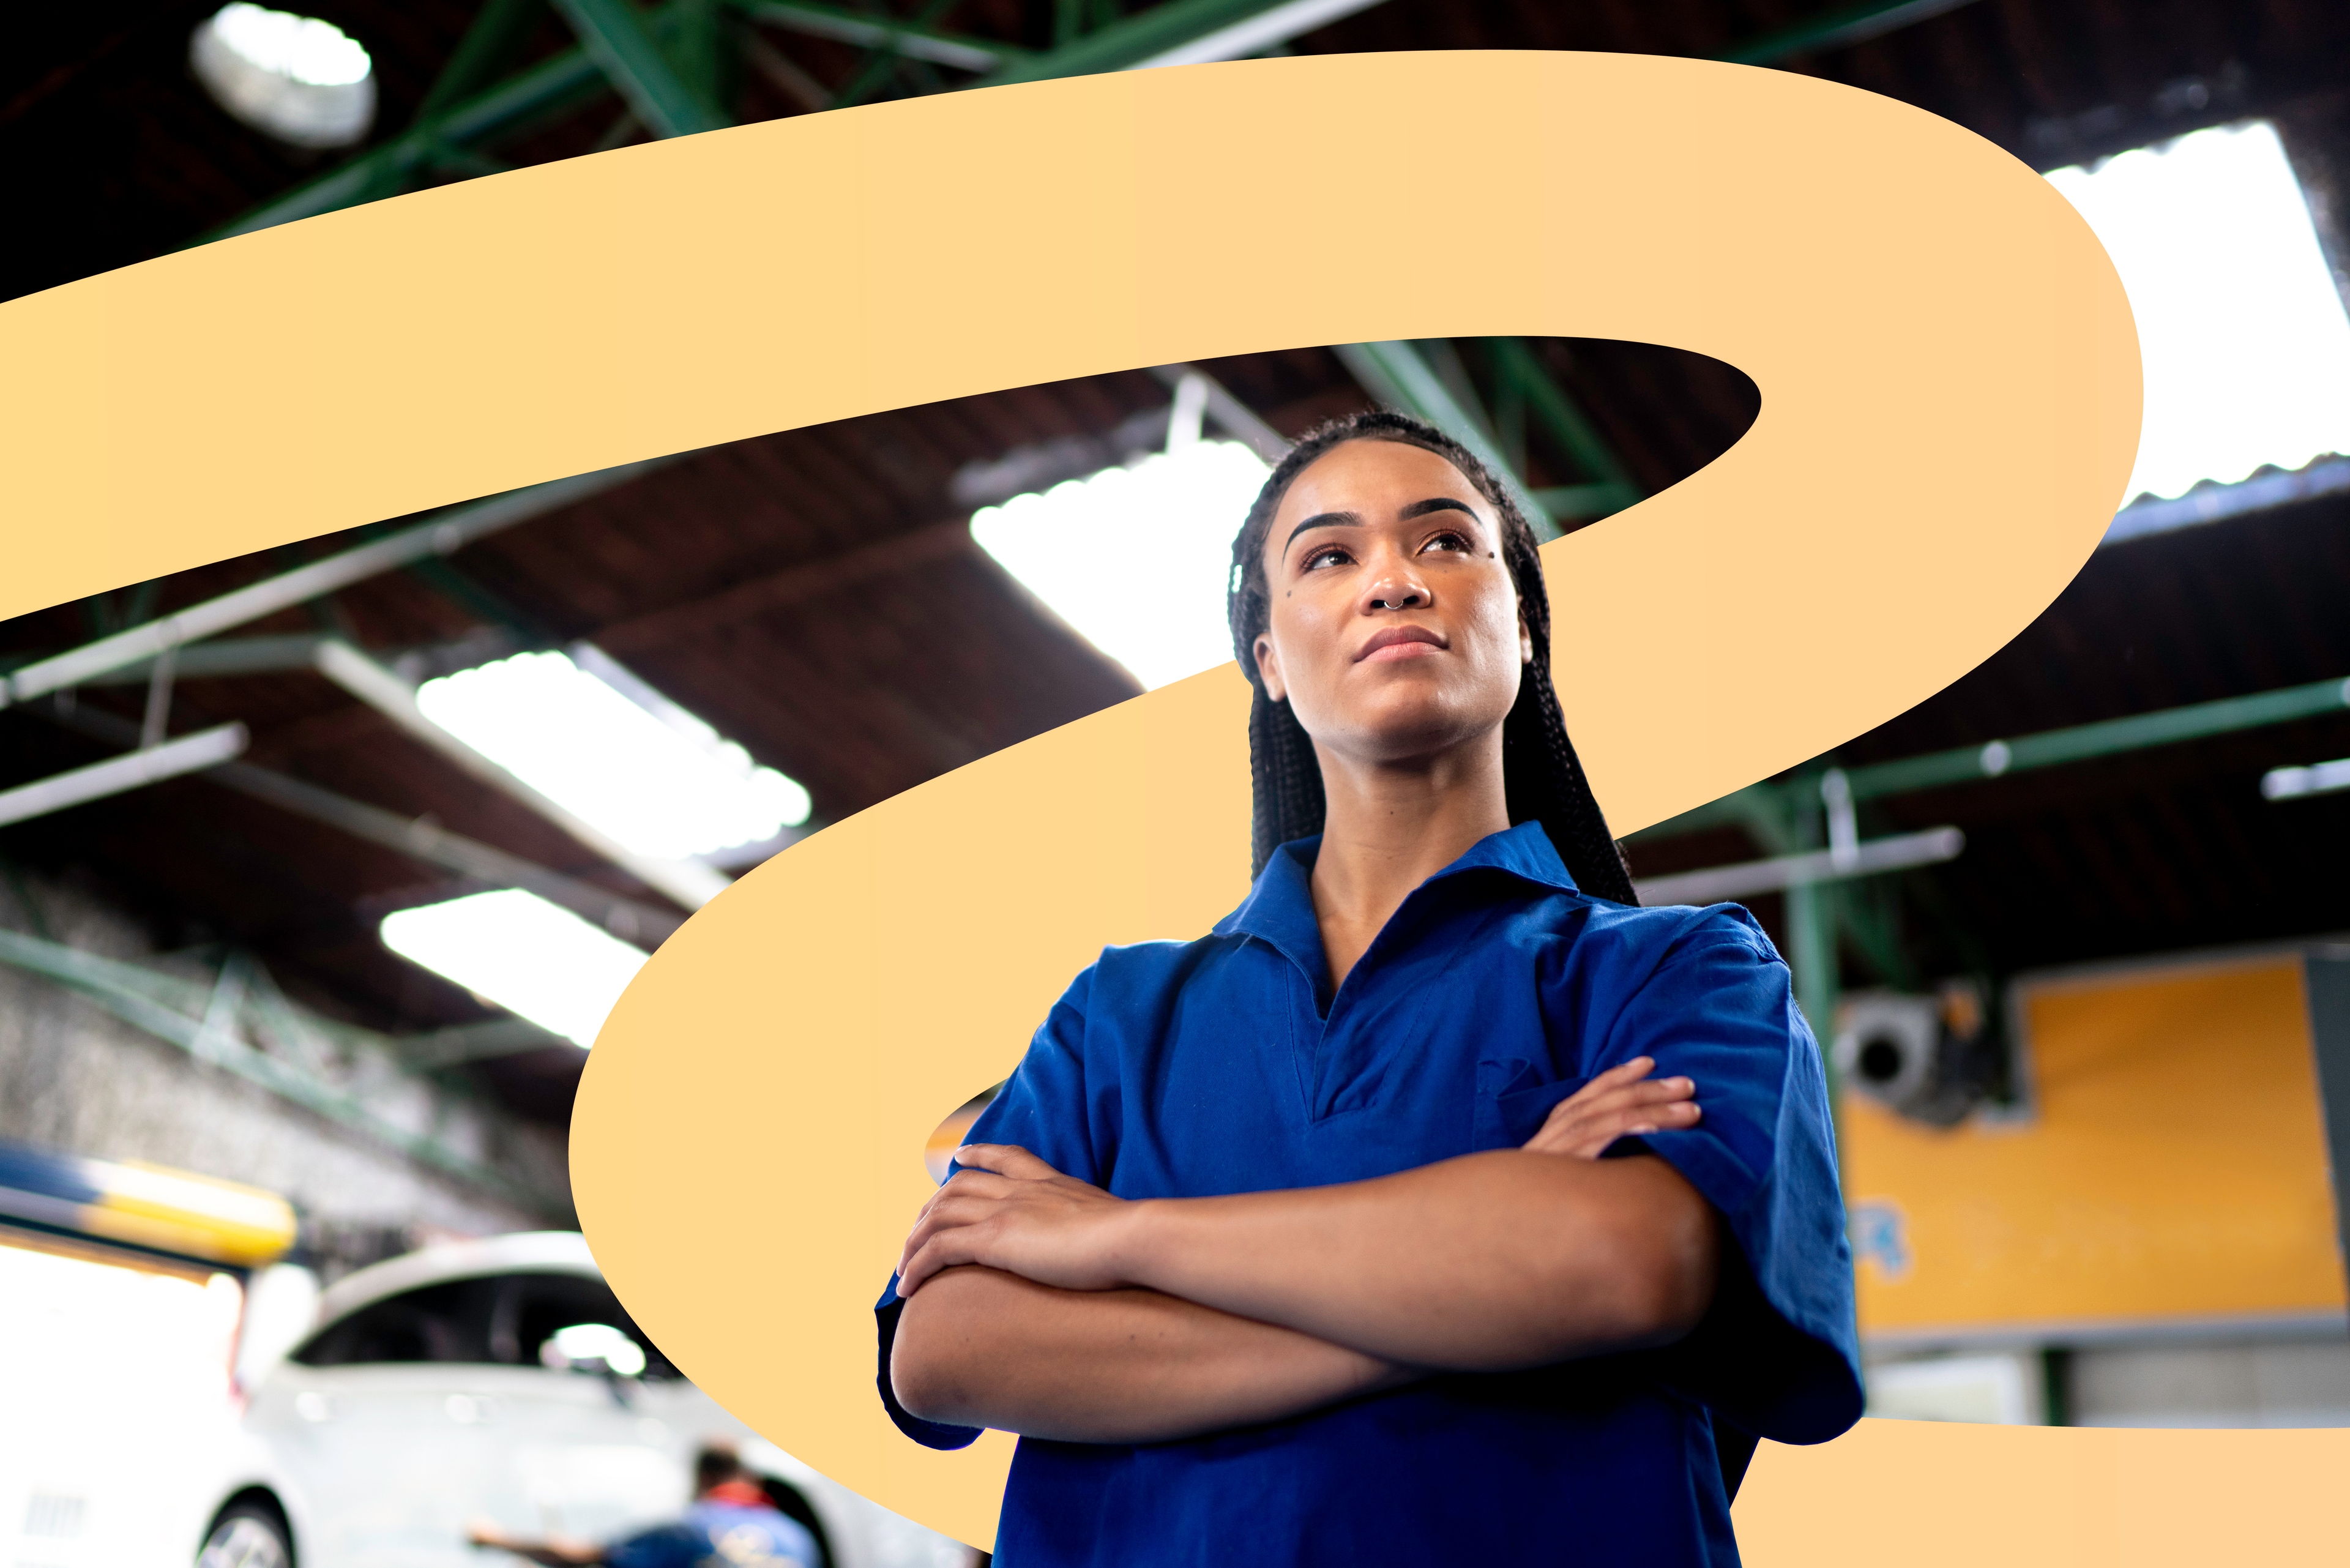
x=1525 y=640
x=1268 y=668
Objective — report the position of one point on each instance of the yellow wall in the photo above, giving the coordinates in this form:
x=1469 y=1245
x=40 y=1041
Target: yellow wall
x=2174 y=1166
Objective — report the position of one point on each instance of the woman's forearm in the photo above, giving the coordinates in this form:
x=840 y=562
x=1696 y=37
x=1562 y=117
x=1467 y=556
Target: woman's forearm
x=1484 y=1263
x=977 y=1348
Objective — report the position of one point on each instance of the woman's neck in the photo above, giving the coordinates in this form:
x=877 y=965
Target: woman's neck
x=1390 y=827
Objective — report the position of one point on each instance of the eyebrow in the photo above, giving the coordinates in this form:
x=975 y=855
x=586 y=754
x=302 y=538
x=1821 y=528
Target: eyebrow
x=1355 y=519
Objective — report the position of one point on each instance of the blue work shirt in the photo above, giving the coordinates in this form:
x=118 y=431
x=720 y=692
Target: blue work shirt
x=719 y=1535
x=1496 y=989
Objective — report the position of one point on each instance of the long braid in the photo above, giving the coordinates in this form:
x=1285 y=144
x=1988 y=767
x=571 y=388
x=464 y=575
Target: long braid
x=1542 y=775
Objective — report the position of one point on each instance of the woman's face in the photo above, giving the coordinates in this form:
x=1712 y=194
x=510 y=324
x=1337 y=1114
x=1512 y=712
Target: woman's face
x=1394 y=631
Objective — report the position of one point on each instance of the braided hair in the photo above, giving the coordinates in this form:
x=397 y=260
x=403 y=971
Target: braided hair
x=1543 y=781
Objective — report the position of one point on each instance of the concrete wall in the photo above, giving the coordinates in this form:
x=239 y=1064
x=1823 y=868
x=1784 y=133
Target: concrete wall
x=73 y=1077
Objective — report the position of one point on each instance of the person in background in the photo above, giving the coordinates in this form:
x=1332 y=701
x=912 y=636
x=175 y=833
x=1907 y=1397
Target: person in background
x=730 y=1524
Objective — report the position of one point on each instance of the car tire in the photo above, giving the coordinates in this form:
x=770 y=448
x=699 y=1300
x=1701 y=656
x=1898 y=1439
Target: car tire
x=247 y=1535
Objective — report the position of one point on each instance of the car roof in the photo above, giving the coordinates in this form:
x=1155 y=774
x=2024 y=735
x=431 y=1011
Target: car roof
x=526 y=1251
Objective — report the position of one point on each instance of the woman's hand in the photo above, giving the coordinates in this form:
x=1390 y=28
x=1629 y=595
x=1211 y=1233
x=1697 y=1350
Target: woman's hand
x=1007 y=1209
x=1621 y=1101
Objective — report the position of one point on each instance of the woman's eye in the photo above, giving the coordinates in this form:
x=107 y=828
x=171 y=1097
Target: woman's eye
x=1328 y=553
x=1446 y=541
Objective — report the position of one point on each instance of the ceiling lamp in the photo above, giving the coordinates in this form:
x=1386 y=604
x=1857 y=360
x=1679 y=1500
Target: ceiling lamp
x=303 y=81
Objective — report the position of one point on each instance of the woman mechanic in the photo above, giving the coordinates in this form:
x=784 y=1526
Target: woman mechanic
x=1441 y=1204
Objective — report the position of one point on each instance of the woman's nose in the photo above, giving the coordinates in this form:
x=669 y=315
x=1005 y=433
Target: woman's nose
x=1395 y=590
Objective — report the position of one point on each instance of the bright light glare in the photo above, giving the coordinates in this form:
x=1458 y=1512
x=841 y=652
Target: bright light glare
x=594 y=1341
x=2320 y=778
x=2246 y=347
x=300 y=49
x=1135 y=558
x=653 y=786
x=526 y=955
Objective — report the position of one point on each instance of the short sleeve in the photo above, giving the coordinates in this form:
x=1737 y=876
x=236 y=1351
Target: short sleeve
x=665 y=1547
x=1043 y=1109
x=1777 y=1353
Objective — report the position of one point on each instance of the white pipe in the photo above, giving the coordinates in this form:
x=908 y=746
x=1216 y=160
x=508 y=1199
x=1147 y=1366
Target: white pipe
x=1717 y=883
x=689 y=882
x=204 y=749
x=450 y=532
x=1255 y=34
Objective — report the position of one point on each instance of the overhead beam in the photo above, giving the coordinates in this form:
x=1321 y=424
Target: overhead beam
x=910 y=40
x=151 y=765
x=1179 y=32
x=419 y=838
x=444 y=534
x=1871 y=858
x=1515 y=360
x=1238 y=419
x=556 y=85
x=2049 y=748
x=173 y=1008
x=1397 y=374
x=615 y=35
x=1839 y=29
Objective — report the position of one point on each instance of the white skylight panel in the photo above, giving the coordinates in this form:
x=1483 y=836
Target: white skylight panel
x=526 y=955
x=1136 y=559
x=2245 y=341
x=654 y=777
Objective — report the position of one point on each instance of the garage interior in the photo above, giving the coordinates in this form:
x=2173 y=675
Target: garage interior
x=194 y=970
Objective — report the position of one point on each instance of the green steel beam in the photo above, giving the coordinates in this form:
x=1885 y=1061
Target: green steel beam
x=1516 y=362
x=2085 y=743
x=1839 y=28
x=207 y=1021
x=2050 y=748
x=556 y=84
x=1397 y=374
x=913 y=40
x=616 y=36
x=499 y=28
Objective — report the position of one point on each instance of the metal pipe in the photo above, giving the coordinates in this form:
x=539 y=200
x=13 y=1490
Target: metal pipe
x=915 y=42
x=1254 y=35
x=415 y=837
x=1899 y=852
x=2084 y=743
x=1238 y=419
x=2081 y=742
x=204 y=749
x=1179 y=32
x=446 y=534
x=690 y=883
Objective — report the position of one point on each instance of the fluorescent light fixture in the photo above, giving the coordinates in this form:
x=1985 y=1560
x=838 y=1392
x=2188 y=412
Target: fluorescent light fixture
x=297 y=78
x=2320 y=778
x=1136 y=558
x=632 y=764
x=2246 y=344
x=517 y=951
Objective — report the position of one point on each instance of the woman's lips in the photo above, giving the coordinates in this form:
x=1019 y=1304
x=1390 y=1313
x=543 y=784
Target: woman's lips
x=1400 y=642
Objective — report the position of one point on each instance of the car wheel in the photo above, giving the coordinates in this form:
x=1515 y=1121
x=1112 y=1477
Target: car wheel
x=247 y=1535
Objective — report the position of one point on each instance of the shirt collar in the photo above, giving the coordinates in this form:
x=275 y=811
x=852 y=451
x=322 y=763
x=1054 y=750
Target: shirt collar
x=1280 y=908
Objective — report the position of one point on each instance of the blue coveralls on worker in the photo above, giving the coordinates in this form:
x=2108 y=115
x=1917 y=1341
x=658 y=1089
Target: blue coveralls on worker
x=1224 y=1064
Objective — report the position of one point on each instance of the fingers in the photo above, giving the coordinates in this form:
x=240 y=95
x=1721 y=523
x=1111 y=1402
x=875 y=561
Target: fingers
x=1004 y=1159
x=945 y=1250
x=952 y=1210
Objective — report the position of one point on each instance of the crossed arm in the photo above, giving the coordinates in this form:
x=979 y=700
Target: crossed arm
x=1040 y=1304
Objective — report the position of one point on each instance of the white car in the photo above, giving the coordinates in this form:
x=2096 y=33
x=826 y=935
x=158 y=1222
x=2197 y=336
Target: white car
x=493 y=1380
